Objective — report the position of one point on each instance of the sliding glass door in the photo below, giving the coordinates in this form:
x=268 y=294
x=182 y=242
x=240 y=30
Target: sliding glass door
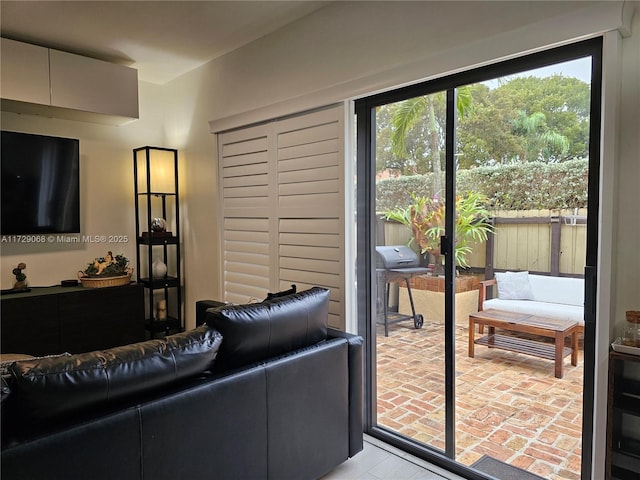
x=459 y=178
x=410 y=132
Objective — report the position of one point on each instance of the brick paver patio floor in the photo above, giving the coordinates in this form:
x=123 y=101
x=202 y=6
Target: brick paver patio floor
x=508 y=405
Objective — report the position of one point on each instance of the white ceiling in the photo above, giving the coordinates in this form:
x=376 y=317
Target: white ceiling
x=162 y=39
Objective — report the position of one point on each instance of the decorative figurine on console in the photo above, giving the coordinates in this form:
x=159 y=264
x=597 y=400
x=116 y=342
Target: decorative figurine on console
x=21 y=278
x=101 y=264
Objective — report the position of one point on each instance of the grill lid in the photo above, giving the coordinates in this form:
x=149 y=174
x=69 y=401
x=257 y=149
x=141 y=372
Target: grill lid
x=396 y=257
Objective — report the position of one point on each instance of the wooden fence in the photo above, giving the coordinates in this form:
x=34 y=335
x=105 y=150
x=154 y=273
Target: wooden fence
x=551 y=242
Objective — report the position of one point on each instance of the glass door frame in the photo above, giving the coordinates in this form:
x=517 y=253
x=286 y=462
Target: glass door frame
x=365 y=202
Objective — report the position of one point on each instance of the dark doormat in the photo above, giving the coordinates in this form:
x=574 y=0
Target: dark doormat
x=503 y=471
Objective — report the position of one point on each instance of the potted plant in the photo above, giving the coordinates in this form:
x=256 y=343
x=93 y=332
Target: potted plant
x=425 y=218
x=108 y=271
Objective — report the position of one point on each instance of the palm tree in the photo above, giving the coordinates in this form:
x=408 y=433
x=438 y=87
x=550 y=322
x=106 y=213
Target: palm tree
x=538 y=141
x=422 y=109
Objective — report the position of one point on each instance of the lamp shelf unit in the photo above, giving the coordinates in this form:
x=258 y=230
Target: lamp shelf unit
x=158 y=283
x=157 y=207
x=623 y=417
x=162 y=326
x=154 y=240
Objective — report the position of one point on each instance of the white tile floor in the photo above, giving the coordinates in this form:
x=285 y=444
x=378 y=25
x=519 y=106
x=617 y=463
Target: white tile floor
x=379 y=461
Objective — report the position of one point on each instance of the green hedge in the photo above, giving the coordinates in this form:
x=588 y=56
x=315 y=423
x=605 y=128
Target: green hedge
x=529 y=186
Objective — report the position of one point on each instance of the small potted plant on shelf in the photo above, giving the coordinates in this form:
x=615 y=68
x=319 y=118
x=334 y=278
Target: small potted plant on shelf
x=108 y=271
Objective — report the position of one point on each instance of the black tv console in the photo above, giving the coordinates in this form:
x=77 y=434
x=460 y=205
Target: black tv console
x=50 y=320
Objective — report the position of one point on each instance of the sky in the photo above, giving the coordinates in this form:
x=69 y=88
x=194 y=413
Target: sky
x=580 y=68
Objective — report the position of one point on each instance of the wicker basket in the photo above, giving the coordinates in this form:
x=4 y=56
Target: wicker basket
x=100 y=282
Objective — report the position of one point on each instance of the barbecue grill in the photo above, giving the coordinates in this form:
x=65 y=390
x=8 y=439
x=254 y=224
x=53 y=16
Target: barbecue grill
x=394 y=264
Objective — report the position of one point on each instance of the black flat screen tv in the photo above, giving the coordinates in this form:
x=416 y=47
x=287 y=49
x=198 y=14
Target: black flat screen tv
x=40 y=181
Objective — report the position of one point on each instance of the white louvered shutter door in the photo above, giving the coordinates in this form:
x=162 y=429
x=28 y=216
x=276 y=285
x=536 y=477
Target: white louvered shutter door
x=283 y=208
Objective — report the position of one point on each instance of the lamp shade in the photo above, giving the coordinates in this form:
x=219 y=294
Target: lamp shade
x=156 y=170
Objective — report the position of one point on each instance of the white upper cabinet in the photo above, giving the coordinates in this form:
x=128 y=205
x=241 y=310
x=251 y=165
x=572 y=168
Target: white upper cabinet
x=24 y=75
x=92 y=85
x=42 y=81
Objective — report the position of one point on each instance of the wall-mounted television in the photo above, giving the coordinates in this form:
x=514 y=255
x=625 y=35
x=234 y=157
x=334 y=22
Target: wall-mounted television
x=40 y=181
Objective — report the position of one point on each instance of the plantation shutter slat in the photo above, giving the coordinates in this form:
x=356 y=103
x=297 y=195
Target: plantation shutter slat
x=310 y=150
x=307 y=188
x=282 y=201
x=309 y=175
x=314 y=161
x=301 y=251
x=309 y=206
x=302 y=239
x=242 y=146
x=319 y=226
x=308 y=135
x=246 y=181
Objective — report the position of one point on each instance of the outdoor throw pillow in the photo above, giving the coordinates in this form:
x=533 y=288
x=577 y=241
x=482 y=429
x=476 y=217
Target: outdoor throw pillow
x=514 y=286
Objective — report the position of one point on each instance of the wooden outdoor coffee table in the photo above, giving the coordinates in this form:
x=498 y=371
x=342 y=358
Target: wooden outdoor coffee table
x=533 y=324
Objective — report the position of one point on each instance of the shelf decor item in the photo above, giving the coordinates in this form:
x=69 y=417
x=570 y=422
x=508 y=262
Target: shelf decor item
x=21 y=278
x=159 y=268
x=161 y=312
x=159 y=225
x=107 y=271
x=631 y=332
x=155 y=172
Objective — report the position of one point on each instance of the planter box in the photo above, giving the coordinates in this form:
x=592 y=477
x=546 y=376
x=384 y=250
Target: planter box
x=428 y=299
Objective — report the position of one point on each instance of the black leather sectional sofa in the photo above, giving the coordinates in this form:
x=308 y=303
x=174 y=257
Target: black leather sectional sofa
x=261 y=391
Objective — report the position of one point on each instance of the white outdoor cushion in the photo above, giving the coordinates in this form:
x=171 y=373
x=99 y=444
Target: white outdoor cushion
x=514 y=286
x=542 y=309
x=564 y=290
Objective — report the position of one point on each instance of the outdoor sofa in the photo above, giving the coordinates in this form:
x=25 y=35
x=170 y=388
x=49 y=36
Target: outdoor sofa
x=547 y=296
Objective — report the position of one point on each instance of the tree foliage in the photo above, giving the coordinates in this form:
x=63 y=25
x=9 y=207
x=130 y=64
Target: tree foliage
x=524 y=119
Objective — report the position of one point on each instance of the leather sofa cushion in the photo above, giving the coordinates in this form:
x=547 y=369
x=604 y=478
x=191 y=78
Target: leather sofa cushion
x=258 y=331
x=48 y=387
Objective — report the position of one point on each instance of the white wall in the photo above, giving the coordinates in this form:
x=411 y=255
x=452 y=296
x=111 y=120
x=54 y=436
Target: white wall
x=106 y=191
x=627 y=256
x=353 y=49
